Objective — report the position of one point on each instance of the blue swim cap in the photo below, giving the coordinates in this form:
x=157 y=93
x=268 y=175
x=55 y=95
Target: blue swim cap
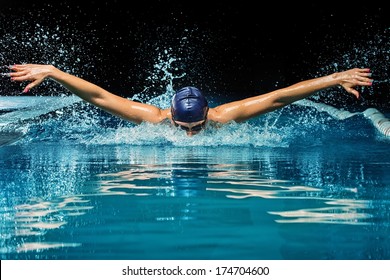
x=189 y=105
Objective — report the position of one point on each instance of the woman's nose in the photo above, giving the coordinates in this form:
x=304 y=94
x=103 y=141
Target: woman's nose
x=191 y=133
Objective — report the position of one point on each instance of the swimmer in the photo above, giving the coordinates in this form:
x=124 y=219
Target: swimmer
x=189 y=108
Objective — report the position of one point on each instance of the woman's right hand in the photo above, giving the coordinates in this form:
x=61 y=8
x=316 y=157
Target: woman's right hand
x=35 y=73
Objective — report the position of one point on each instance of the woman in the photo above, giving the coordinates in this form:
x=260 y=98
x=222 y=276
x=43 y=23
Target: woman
x=189 y=110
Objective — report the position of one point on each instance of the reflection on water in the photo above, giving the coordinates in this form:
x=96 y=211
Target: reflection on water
x=29 y=223
x=346 y=211
x=64 y=198
x=163 y=180
x=38 y=246
x=136 y=181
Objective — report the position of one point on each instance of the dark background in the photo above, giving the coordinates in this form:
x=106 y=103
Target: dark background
x=231 y=50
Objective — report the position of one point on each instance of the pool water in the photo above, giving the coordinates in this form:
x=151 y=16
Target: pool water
x=298 y=184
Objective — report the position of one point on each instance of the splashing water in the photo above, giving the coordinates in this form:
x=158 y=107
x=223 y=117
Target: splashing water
x=164 y=70
x=41 y=44
x=86 y=124
x=373 y=53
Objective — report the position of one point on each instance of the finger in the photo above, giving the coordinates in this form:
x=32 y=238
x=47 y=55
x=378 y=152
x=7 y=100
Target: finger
x=22 y=78
x=354 y=92
x=30 y=86
x=364 y=82
x=18 y=74
x=26 y=89
x=365 y=75
x=18 y=67
x=364 y=70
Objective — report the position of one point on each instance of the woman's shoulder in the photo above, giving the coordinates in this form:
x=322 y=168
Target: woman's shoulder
x=214 y=116
x=166 y=115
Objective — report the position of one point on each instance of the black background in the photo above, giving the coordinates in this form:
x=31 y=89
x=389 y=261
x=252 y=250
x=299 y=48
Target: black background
x=237 y=49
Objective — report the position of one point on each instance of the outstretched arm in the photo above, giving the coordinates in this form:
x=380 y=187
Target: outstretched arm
x=245 y=109
x=114 y=104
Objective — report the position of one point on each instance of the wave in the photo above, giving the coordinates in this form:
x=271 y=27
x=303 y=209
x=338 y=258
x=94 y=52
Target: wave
x=69 y=119
x=378 y=120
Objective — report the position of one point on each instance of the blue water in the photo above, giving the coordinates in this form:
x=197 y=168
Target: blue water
x=77 y=183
